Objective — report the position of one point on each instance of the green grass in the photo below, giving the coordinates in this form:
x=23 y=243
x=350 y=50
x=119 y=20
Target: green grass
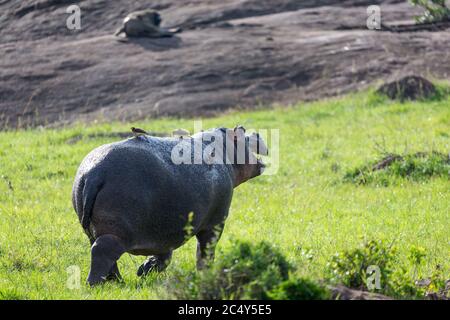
x=306 y=210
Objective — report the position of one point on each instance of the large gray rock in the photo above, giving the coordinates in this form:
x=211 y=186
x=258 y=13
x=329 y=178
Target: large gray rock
x=237 y=53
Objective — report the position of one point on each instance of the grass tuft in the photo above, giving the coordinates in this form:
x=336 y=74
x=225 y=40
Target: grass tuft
x=418 y=166
x=244 y=272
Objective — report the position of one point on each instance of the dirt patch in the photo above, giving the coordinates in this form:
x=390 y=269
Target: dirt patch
x=417 y=166
x=409 y=88
x=341 y=292
x=237 y=53
x=386 y=162
x=392 y=158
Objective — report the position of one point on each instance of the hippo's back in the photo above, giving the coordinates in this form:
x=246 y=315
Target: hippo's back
x=140 y=195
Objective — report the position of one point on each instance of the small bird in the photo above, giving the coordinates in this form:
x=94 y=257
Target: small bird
x=181 y=133
x=138 y=132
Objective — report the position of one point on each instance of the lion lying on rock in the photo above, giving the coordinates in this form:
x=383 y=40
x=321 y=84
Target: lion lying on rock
x=145 y=23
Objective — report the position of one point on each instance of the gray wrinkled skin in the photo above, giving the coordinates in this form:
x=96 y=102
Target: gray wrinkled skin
x=130 y=197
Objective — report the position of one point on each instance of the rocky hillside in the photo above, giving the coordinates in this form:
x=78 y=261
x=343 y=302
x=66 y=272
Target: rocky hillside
x=232 y=53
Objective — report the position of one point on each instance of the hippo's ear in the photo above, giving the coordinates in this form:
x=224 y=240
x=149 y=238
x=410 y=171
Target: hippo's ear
x=239 y=129
x=239 y=132
x=257 y=144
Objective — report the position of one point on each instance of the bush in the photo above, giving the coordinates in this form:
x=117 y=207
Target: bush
x=261 y=272
x=246 y=272
x=418 y=166
x=299 y=289
x=410 y=88
x=349 y=267
x=397 y=280
x=435 y=10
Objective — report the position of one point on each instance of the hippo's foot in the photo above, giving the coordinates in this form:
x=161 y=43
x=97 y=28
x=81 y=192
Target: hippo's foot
x=156 y=263
x=206 y=244
x=114 y=274
x=105 y=252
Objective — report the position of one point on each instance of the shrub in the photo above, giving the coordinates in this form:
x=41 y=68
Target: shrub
x=435 y=10
x=299 y=289
x=397 y=280
x=418 y=166
x=247 y=271
x=410 y=88
x=349 y=267
x=260 y=271
x=416 y=255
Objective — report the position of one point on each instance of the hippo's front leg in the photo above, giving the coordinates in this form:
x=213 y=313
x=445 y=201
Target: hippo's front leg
x=206 y=245
x=157 y=263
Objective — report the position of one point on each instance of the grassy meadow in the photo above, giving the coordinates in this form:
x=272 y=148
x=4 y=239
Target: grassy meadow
x=307 y=209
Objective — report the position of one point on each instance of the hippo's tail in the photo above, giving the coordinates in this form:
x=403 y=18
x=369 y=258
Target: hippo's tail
x=91 y=188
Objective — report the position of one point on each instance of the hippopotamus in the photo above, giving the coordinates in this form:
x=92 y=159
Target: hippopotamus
x=136 y=196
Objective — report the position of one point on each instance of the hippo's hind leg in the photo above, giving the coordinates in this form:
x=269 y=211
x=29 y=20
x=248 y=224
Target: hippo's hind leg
x=114 y=274
x=157 y=263
x=206 y=245
x=105 y=252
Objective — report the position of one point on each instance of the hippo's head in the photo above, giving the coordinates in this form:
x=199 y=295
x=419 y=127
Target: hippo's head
x=238 y=149
x=246 y=147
